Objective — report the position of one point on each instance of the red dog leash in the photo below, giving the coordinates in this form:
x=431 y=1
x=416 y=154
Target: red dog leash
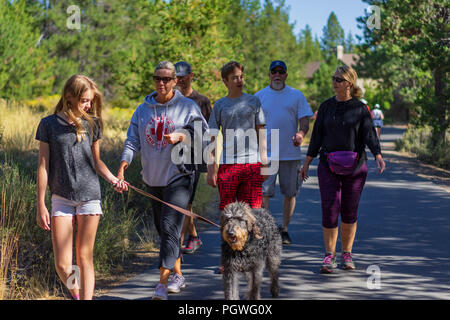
x=177 y=208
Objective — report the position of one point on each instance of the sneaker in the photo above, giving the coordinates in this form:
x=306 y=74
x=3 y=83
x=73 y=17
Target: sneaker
x=285 y=239
x=220 y=270
x=160 y=292
x=347 y=261
x=176 y=283
x=192 y=245
x=328 y=264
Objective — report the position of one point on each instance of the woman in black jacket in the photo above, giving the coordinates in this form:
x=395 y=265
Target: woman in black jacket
x=342 y=130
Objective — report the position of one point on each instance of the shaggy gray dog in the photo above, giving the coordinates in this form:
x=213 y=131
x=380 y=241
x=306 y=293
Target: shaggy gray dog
x=251 y=240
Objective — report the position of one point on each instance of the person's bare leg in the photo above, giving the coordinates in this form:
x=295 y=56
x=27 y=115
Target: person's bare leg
x=266 y=202
x=86 y=231
x=288 y=210
x=188 y=226
x=177 y=267
x=348 y=232
x=62 y=240
x=164 y=275
x=330 y=236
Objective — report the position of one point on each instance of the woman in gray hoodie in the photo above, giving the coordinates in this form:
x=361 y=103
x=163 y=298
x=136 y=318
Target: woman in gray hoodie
x=165 y=119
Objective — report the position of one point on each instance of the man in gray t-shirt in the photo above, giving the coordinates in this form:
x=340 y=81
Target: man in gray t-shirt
x=240 y=116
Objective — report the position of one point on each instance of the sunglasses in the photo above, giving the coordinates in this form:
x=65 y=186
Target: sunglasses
x=278 y=71
x=337 y=79
x=163 y=79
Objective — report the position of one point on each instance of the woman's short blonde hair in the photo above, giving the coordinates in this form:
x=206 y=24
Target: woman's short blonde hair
x=349 y=74
x=168 y=66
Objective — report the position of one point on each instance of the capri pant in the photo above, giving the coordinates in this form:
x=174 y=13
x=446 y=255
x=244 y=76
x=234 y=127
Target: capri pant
x=340 y=194
x=168 y=222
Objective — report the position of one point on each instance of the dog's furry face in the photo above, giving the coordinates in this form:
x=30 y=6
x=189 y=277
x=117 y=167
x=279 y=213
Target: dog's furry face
x=237 y=222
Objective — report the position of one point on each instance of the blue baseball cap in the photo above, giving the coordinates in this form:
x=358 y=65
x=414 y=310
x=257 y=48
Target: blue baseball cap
x=278 y=63
x=183 y=68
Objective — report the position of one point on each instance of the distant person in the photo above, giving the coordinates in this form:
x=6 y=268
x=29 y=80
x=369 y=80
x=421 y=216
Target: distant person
x=341 y=132
x=164 y=119
x=69 y=163
x=286 y=110
x=378 y=117
x=184 y=84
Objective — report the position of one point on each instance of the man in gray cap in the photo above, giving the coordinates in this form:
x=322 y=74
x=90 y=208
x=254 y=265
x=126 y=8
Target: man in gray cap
x=185 y=76
x=286 y=110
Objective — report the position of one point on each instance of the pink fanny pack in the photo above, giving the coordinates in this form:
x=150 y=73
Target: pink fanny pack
x=342 y=162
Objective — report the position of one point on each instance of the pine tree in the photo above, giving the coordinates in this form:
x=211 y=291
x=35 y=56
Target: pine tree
x=24 y=67
x=411 y=51
x=310 y=47
x=333 y=35
x=349 y=43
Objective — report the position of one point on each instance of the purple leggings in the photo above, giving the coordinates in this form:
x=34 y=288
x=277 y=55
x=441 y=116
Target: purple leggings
x=340 y=194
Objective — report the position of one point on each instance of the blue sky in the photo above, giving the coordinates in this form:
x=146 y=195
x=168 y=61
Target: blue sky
x=316 y=12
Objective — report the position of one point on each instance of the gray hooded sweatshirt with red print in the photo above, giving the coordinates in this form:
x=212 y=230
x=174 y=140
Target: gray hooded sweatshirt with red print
x=148 y=125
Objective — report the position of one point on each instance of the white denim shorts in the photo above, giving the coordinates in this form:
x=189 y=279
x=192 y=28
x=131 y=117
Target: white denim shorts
x=62 y=207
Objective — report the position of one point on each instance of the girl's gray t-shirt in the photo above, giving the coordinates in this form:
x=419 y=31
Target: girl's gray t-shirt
x=72 y=173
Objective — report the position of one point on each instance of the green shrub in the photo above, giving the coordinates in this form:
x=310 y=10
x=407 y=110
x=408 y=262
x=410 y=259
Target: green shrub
x=417 y=140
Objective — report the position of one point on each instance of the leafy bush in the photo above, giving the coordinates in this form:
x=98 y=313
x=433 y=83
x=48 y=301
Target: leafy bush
x=417 y=140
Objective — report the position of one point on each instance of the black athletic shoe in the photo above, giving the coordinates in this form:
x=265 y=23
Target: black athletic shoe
x=285 y=239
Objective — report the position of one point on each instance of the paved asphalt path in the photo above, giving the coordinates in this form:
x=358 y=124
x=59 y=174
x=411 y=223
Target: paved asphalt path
x=403 y=232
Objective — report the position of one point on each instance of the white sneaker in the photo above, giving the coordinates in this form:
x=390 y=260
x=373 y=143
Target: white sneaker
x=160 y=292
x=176 y=283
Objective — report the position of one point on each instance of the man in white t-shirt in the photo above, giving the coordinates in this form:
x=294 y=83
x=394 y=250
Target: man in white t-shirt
x=287 y=111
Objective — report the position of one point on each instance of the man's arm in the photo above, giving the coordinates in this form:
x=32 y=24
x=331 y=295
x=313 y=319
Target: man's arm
x=297 y=140
x=213 y=168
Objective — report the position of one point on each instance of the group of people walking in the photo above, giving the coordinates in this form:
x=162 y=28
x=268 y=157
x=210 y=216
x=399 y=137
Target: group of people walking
x=262 y=134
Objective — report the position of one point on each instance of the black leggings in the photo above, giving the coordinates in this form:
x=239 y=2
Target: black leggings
x=168 y=222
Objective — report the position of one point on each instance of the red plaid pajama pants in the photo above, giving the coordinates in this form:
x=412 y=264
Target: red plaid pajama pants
x=240 y=182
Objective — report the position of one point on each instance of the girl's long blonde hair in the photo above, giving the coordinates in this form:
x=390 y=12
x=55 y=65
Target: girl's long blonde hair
x=76 y=86
x=349 y=74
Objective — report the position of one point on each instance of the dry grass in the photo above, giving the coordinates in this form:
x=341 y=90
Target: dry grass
x=126 y=239
x=18 y=124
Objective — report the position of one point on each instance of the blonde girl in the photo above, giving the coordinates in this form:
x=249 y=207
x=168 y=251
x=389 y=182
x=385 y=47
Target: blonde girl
x=69 y=161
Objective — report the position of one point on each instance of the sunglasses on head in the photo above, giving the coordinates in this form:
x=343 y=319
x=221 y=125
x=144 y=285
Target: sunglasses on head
x=278 y=71
x=337 y=79
x=163 y=79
